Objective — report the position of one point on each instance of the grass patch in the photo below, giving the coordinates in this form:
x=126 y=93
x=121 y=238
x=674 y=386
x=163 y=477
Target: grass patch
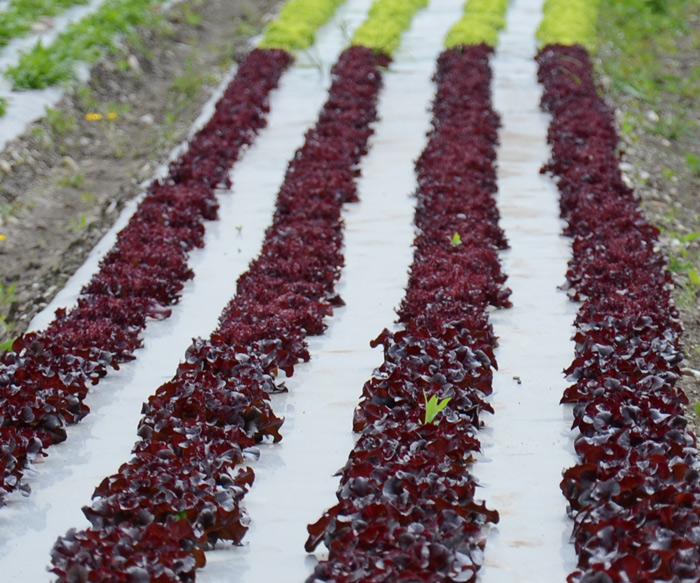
x=648 y=54
x=7 y=298
x=644 y=34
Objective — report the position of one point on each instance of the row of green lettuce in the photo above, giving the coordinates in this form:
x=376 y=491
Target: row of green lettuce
x=564 y=22
x=387 y=19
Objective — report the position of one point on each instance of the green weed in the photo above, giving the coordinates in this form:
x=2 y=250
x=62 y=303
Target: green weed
x=669 y=174
x=188 y=83
x=433 y=407
x=693 y=163
x=7 y=295
x=671 y=126
x=7 y=298
x=244 y=28
x=190 y=18
x=7 y=209
x=76 y=180
x=78 y=224
x=60 y=122
x=87 y=98
x=682 y=260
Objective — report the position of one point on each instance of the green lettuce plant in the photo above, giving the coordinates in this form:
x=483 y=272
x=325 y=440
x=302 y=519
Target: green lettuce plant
x=296 y=25
x=385 y=23
x=480 y=23
x=569 y=22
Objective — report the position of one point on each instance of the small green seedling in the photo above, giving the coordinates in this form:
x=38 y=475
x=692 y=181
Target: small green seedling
x=697 y=409
x=433 y=407
x=456 y=240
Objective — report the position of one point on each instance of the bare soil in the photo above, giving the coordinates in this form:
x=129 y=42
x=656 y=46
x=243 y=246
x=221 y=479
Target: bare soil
x=63 y=184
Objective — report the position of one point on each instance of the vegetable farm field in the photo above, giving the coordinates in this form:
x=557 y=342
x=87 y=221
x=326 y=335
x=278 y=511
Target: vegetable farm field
x=349 y=290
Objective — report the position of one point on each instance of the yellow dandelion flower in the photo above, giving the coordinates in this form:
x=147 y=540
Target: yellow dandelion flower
x=93 y=116
x=111 y=115
x=2 y=237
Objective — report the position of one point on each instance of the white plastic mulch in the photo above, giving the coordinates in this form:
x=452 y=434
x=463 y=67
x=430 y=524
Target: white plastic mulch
x=527 y=442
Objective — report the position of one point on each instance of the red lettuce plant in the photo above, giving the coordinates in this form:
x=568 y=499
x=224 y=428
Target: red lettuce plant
x=635 y=493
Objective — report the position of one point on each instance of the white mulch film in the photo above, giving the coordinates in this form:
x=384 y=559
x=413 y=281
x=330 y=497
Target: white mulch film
x=526 y=444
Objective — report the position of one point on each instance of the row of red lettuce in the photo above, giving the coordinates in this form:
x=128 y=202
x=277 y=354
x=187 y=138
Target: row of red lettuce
x=46 y=376
x=406 y=501
x=634 y=494
x=181 y=490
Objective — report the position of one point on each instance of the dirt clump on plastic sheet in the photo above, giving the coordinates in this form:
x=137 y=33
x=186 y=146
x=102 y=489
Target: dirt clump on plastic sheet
x=661 y=160
x=65 y=181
